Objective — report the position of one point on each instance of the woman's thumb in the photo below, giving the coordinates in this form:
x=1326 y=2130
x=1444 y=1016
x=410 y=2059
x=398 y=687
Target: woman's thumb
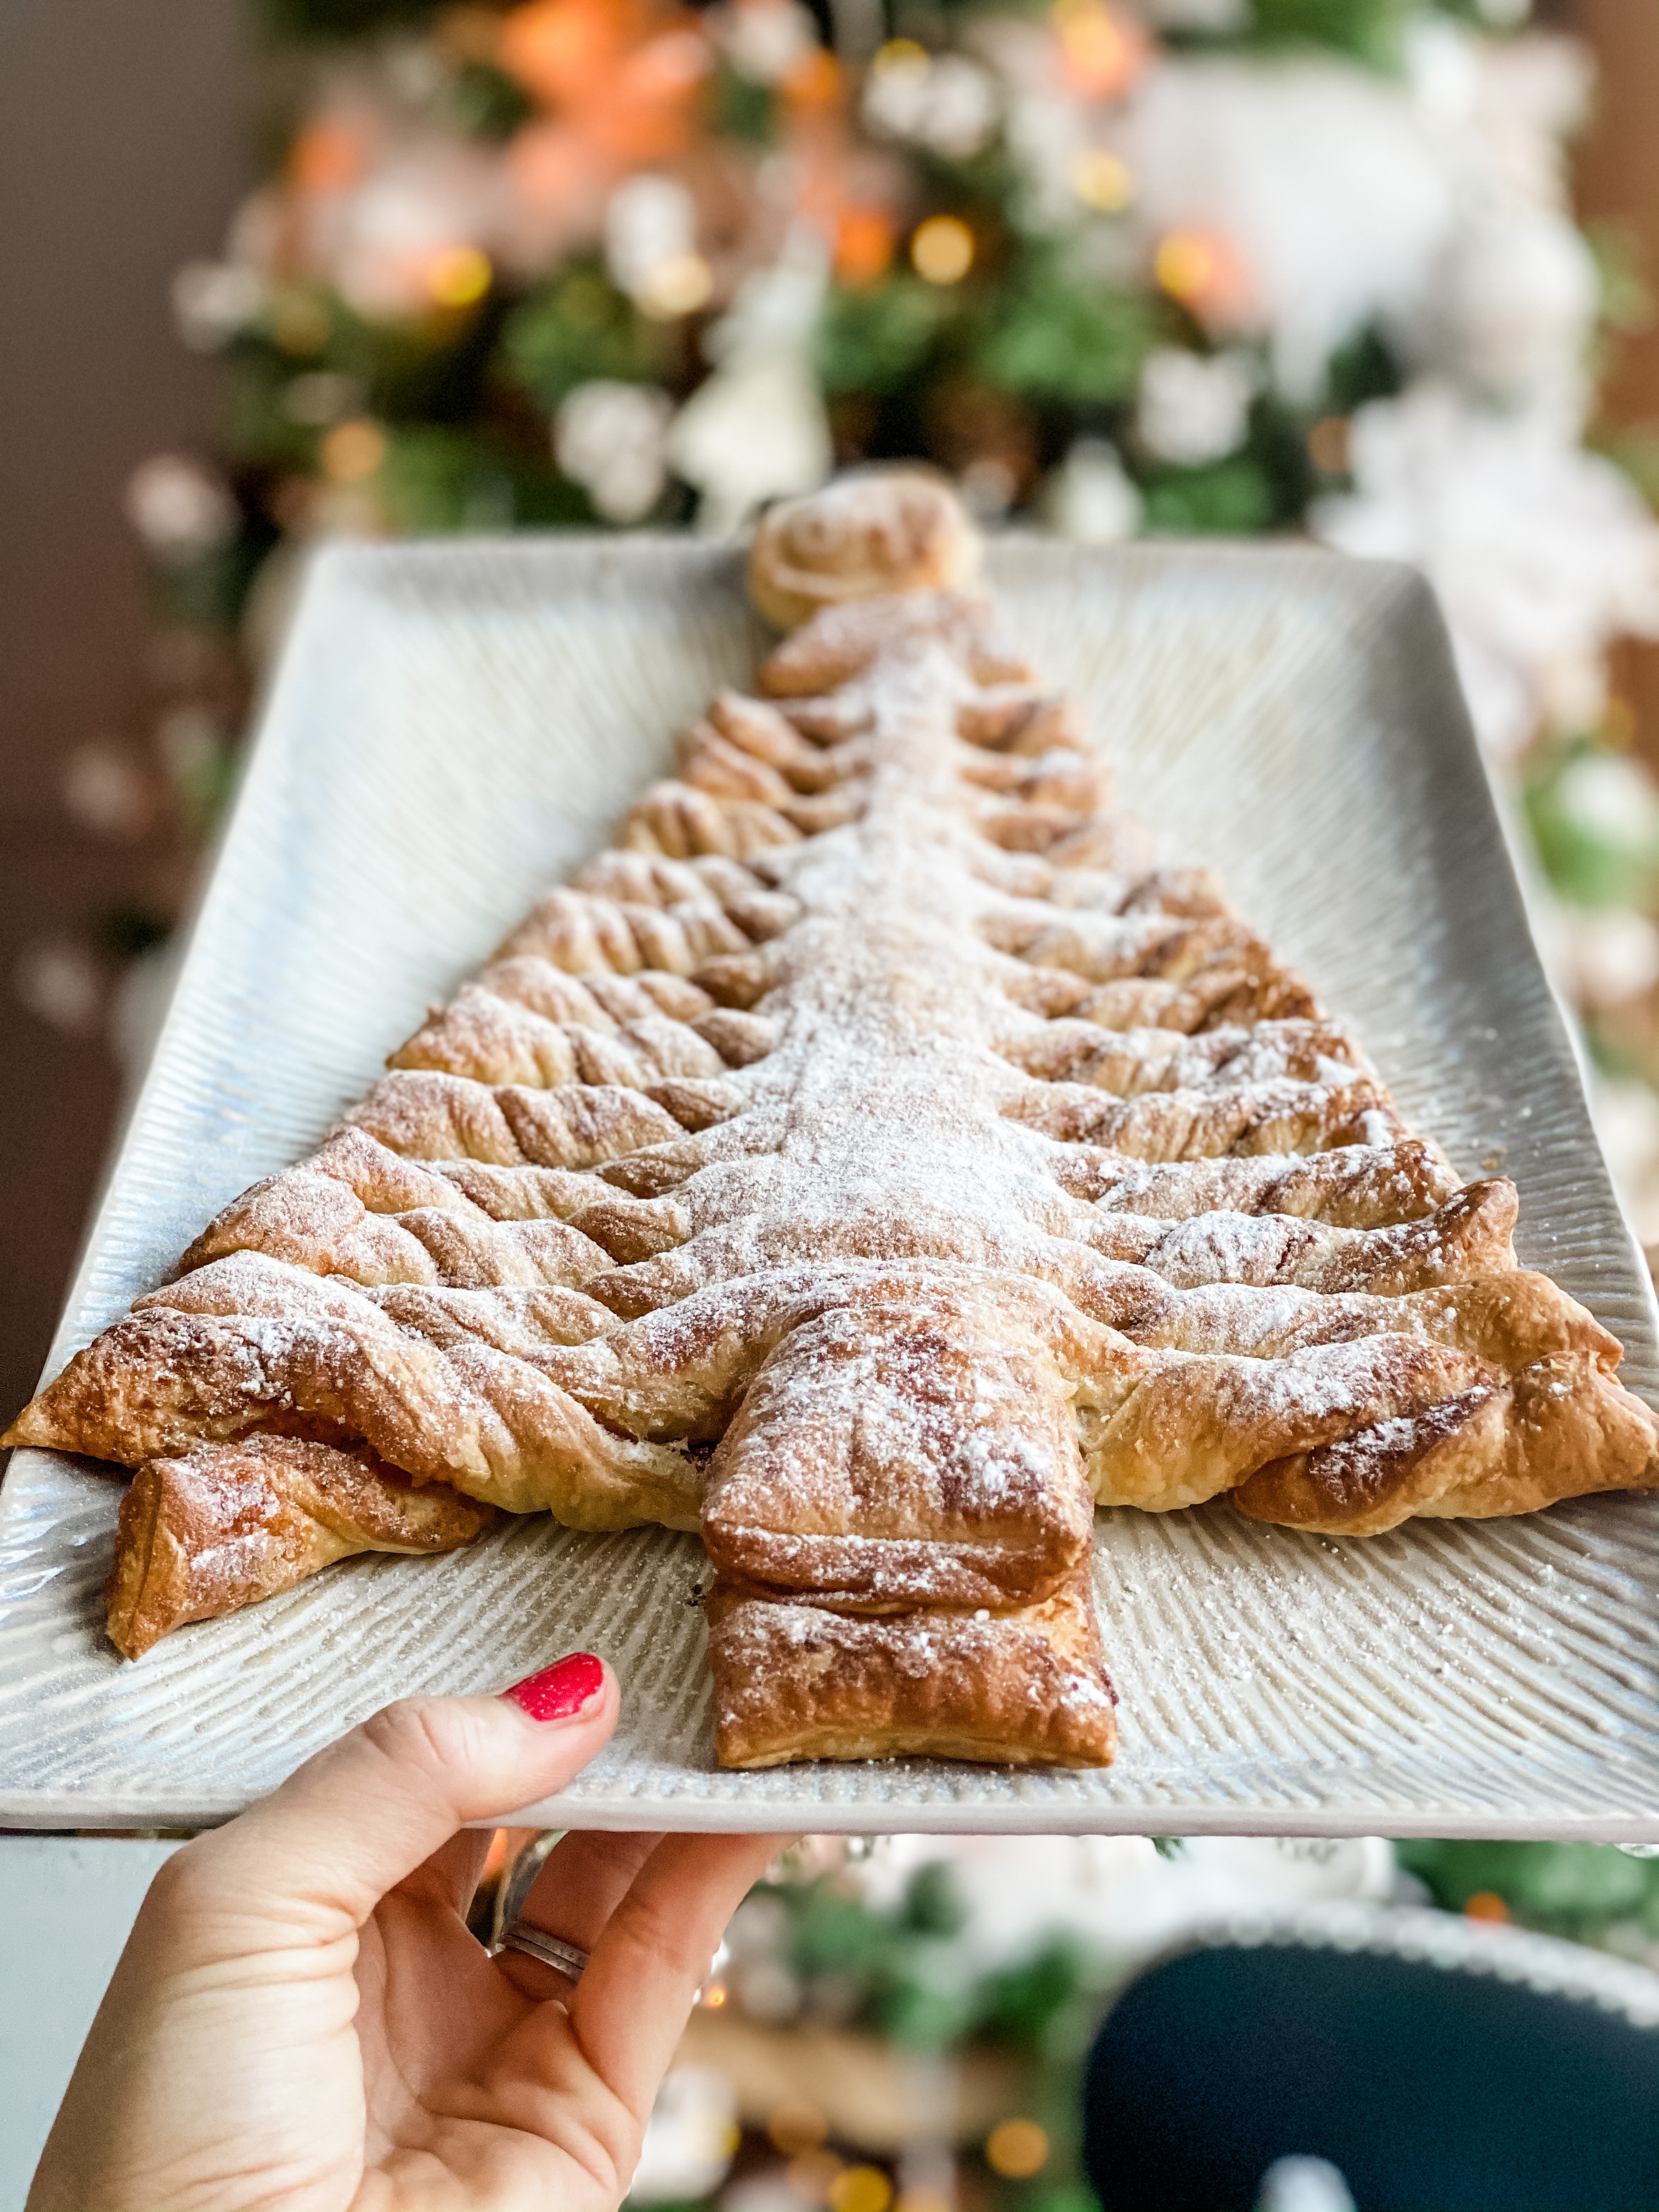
x=361 y=1816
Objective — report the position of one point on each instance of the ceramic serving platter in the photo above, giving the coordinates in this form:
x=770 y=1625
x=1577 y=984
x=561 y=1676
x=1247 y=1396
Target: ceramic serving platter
x=455 y=726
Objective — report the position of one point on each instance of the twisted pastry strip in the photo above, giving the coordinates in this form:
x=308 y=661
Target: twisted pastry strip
x=204 y=1534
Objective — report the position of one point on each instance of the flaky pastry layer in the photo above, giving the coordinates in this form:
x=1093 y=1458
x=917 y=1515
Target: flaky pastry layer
x=796 y=1682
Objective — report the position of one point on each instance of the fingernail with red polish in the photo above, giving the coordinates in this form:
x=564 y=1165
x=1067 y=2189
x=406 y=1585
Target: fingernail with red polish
x=560 y=1692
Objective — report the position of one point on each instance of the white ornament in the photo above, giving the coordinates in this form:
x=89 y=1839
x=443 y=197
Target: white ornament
x=1334 y=191
x=1303 y=2183
x=1611 y=955
x=1611 y=799
x=1510 y=308
x=944 y=102
x=1194 y=407
x=1045 y=128
x=1531 y=95
x=763 y=40
x=689 y=2139
x=1046 y=137
x=179 y=507
x=212 y=300
x=1089 y=498
x=649 y=221
x=609 y=437
x=757 y=431
x=1540 y=552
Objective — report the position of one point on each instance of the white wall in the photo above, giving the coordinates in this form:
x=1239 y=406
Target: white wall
x=65 y=1908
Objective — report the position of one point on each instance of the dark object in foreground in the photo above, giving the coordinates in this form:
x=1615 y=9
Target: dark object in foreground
x=1433 y=2089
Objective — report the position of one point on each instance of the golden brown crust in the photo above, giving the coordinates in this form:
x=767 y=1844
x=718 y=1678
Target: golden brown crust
x=1351 y=1187
x=1560 y=1428
x=1468 y=1236
x=903 y=1453
x=226 y=1525
x=445 y=1385
x=882 y=529
x=1275 y=1117
x=797 y=1682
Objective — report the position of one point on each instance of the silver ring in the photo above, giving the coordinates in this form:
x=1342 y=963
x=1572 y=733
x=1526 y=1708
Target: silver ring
x=568 y=1959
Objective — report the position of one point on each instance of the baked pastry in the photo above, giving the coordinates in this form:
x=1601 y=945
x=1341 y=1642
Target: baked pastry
x=879 y=530
x=874 y=1160
x=224 y=1524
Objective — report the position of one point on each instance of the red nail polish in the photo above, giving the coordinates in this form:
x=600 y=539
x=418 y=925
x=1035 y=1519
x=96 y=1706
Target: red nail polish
x=560 y=1692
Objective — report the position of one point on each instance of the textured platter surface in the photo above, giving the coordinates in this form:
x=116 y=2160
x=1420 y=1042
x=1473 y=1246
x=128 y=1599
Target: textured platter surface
x=457 y=726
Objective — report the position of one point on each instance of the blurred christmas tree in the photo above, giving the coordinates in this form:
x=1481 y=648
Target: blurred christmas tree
x=1116 y=265
x=1188 y=266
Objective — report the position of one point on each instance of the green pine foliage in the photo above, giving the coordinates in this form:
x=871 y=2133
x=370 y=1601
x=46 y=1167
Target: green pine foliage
x=1228 y=498
x=903 y=1974
x=578 y=327
x=1049 y=337
x=1578 y=1890
x=1369 y=31
x=1592 y=856
x=435 y=480
x=483 y=102
x=877 y=339
x=742 y=108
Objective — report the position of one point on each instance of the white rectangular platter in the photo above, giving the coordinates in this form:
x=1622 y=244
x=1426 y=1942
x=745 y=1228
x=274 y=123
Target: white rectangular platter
x=457 y=725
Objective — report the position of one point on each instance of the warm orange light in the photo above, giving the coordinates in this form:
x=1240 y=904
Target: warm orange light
x=1485 y=1905
x=860 y=2188
x=1017 y=2149
x=678 y=285
x=353 y=450
x=557 y=48
x=795 y=2128
x=457 y=276
x=865 y=239
x=1185 y=264
x=670 y=68
x=713 y=1996
x=901 y=57
x=328 y=157
x=942 y=249
x=1200 y=269
x=623 y=74
x=551 y=166
x=1103 y=180
x=814 y=81
x=1105 y=52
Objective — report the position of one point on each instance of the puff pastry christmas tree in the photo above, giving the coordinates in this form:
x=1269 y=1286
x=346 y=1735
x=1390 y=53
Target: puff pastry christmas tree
x=875 y=1114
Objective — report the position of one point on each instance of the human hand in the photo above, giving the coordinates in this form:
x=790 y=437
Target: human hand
x=301 y=2022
